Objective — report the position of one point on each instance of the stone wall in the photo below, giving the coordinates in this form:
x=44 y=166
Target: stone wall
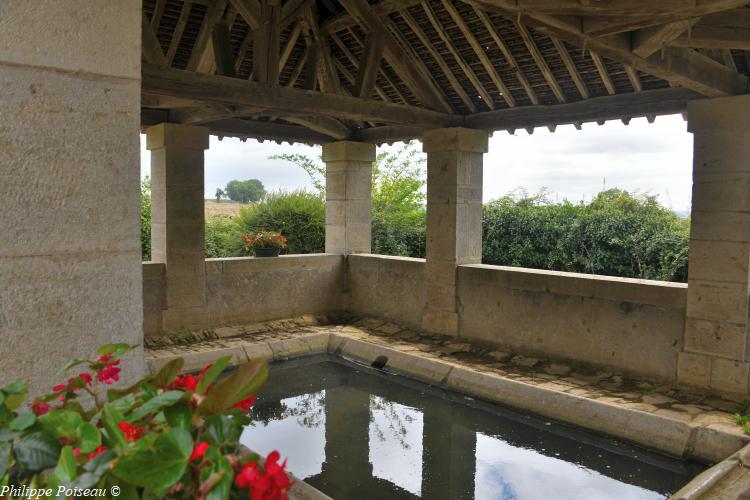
x=631 y=325
x=387 y=287
x=635 y=326
x=70 y=264
x=248 y=290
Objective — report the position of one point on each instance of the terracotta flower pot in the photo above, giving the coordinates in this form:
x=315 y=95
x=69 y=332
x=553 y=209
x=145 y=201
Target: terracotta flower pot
x=266 y=252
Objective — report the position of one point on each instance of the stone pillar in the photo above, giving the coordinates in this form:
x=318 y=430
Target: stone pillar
x=454 y=218
x=716 y=328
x=449 y=455
x=348 y=196
x=70 y=260
x=178 y=219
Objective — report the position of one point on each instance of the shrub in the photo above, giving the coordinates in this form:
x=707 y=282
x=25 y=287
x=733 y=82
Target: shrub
x=298 y=215
x=617 y=234
x=164 y=436
x=146 y=219
x=223 y=237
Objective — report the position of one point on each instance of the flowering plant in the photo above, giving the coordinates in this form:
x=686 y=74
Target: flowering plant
x=263 y=239
x=166 y=436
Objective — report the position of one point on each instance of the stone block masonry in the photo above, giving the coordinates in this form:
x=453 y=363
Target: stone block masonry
x=70 y=264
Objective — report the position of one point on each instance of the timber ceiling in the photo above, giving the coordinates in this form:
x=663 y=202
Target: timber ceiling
x=493 y=64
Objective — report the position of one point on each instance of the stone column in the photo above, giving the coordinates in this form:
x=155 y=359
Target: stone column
x=70 y=260
x=178 y=219
x=449 y=455
x=716 y=328
x=348 y=196
x=454 y=218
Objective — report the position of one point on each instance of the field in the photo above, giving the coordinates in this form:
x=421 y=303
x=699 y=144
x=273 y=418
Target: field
x=214 y=208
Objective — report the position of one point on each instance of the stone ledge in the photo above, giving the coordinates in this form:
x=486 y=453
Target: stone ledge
x=236 y=265
x=637 y=291
x=691 y=426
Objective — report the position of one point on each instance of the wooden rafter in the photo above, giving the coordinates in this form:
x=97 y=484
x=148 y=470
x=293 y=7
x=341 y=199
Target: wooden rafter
x=353 y=61
x=383 y=8
x=605 y=8
x=222 y=49
x=369 y=65
x=250 y=12
x=244 y=47
x=297 y=71
x=293 y=10
x=351 y=78
x=178 y=30
x=520 y=76
x=688 y=69
x=409 y=68
x=536 y=54
x=158 y=12
x=447 y=71
x=486 y=97
x=724 y=30
x=201 y=47
x=480 y=53
x=601 y=68
x=571 y=67
x=152 y=52
x=647 y=41
x=232 y=91
x=650 y=102
x=634 y=77
x=291 y=42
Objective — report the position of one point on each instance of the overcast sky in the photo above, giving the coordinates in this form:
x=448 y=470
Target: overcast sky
x=572 y=164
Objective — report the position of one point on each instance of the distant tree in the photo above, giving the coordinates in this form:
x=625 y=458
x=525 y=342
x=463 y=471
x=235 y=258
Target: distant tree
x=220 y=194
x=146 y=218
x=245 y=191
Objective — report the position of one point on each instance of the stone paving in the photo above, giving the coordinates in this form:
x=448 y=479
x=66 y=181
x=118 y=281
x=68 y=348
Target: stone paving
x=670 y=401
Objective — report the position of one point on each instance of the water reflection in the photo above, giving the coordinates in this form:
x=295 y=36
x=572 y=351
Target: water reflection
x=354 y=433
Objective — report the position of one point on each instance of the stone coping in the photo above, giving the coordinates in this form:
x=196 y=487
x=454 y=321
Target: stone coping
x=728 y=479
x=668 y=419
x=637 y=291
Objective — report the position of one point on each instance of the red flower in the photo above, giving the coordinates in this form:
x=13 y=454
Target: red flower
x=186 y=383
x=271 y=483
x=198 y=451
x=132 y=433
x=59 y=387
x=245 y=404
x=39 y=408
x=77 y=451
x=110 y=373
x=85 y=377
x=93 y=454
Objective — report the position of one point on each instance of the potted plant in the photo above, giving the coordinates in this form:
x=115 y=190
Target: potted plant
x=168 y=435
x=264 y=243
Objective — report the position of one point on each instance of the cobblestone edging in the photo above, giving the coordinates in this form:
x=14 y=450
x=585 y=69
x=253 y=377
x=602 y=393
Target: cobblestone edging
x=665 y=418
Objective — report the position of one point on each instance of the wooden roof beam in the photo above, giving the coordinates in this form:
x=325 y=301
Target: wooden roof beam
x=571 y=67
x=650 y=102
x=601 y=68
x=536 y=54
x=648 y=41
x=685 y=68
x=266 y=43
x=200 y=48
x=151 y=49
x=249 y=10
x=264 y=130
x=368 y=65
x=353 y=61
x=178 y=31
x=382 y=9
x=634 y=77
x=390 y=81
x=291 y=42
x=610 y=25
x=408 y=67
x=480 y=53
x=447 y=71
x=158 y=13
x=222 y=48
x=476 y=83
x=235 y=92
x=487 y=22
x=725 y=30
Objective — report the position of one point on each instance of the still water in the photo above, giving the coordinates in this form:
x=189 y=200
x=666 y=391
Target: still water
x=357 y=433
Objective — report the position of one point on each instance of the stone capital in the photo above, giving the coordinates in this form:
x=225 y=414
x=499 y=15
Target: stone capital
x=348 y=151
x=719 y=114
x=465 y=140
x=176 y=135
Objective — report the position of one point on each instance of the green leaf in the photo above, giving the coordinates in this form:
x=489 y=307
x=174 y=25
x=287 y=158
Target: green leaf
x=115 y=350
x=216 y=369
x=60 y=423
x=110 y=418
x=160 y=466
x=66 y=470
x=74 y=362
x=152 y=405
x=178 y=416
x=114 y=394
x=220 y=465
x=89 y=437
x=94 y=469
x=244 y=381
x=22 y=422
x=4 y=458
x=15 y=399
x=168 y=373
x=15 y=388
x=37 y=451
